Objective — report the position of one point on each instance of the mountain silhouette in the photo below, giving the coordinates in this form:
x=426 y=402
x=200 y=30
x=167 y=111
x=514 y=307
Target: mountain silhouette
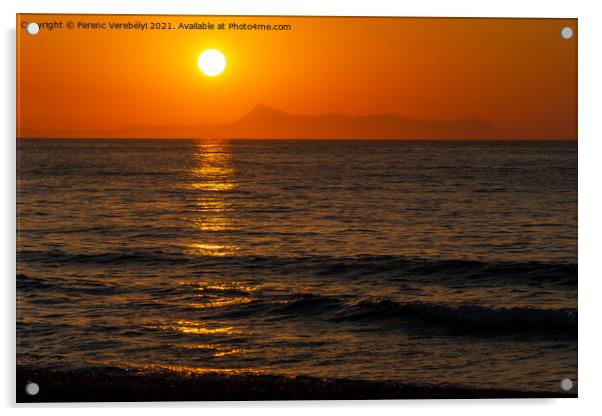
x=270 y=123
x=264 y=122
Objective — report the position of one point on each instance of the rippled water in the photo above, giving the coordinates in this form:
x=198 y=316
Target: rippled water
x=431 y=262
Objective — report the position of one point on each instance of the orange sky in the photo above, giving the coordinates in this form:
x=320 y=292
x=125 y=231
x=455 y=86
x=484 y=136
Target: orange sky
x=518 y=74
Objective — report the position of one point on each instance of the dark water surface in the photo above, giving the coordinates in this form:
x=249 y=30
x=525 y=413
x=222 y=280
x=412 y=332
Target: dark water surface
x=439 y=262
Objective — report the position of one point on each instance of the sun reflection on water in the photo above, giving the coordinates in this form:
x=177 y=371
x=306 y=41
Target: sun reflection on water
x=215 y=250
x=220 y=302
x=212 y=295
x=219 y=350
x=213 y=179
x=216 y=205
x=191 y=371
x=214 y=186
x=213 y=176
x=197 y=327
x=213 y=224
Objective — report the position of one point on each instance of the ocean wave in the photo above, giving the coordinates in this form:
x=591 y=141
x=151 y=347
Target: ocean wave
x=469 y=317
x=63 y=257
x=394 y=268
x=35 y=285
x=456 y=318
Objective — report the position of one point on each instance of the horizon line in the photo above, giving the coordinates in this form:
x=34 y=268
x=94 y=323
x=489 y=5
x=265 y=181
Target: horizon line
x=298 y=139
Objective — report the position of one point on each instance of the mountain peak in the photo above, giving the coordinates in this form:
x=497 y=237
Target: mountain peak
x=262 y=109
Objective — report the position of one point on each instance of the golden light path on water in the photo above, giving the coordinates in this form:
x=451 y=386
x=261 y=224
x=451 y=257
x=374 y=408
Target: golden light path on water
x=189 y=371
x=213 y=175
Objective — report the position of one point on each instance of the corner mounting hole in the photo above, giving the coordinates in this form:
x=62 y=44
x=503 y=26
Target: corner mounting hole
x=566 y=32
x=32 y=28
x=566 y=384
x=32 y=389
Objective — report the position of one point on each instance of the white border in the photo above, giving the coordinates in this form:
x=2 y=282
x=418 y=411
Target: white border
x=590 y=184
x=508 y=8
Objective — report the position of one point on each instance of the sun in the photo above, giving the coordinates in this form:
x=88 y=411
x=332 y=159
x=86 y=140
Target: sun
x=211 y=62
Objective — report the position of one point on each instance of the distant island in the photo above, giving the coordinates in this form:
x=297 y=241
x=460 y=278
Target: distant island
x=263 y=122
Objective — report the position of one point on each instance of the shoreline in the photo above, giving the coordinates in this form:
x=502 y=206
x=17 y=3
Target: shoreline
x=115 y=384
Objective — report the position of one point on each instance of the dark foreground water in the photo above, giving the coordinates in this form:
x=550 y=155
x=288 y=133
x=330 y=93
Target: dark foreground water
x=439 y=262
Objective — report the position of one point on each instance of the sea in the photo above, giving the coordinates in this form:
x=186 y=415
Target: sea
x=440 y=262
